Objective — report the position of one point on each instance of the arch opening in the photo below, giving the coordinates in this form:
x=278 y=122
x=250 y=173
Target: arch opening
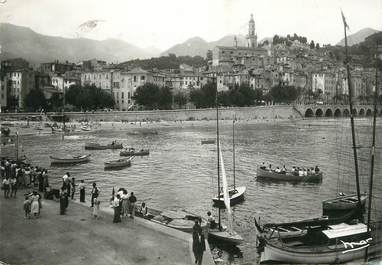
x=319 y=113
x=369 y=112
x=309 y=113
x=361 y=112
x=354 y=112
x=337 y=113
x=346 y=113
x=328 y=113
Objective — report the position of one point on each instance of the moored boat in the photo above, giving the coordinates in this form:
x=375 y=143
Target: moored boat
x=179 y=220
x=86 y=128
x=268 y=174
x=97 y=146
x=133 y=152
x=344 y=202
x=70 y=159
x=119 y=163
x=208 y=141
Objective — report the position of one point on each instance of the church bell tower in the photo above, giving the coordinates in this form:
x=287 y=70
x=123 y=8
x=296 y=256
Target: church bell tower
x=252 y=37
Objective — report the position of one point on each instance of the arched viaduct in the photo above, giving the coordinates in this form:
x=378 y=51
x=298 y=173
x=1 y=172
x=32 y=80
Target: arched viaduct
x=336 y=110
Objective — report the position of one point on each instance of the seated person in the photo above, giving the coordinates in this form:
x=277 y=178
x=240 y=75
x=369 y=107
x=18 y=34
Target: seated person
x=278 y=170
x=143 y=210
x=316 y=169
x=263 y=166
x=283 y=170
x=211 y=220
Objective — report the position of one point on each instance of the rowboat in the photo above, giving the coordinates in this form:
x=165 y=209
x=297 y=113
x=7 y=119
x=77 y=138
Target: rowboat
x=225 y=236
x=208 y=141
x=236 y=195
x=70 y=159
x=86 y=128
x=182 y=221
x=97 y=146
x=133 y=152
x=267 y=174
x=344 y=202
x=125 y=162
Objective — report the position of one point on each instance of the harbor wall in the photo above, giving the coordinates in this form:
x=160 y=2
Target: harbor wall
x=243 y=113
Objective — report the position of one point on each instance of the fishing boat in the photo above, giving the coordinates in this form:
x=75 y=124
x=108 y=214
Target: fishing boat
x=70 y=159
x=97 y=146
x=219 y=232
x=344 y=202
x=269 y=174
x=208 y=141
x=86 y=128
x=236 y=194
x=119 y=163
x=133 y=152
x=180 y=220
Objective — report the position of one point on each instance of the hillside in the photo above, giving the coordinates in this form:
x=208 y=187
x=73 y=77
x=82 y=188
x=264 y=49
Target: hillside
x=198 y=47
x=358 y=37
x=23 y=42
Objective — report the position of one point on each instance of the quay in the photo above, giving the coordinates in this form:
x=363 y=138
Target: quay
x=78 y=238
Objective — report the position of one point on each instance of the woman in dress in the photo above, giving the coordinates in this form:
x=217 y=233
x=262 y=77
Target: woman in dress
x=82 y=191
x=35 y=205
x=125 y=203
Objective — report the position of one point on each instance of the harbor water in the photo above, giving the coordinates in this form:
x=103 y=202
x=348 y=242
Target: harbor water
x=181 y=174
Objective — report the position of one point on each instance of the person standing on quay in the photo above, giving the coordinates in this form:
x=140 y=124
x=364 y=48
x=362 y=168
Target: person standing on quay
x=73 y=184
x=13 y=184
x=95 y=193
x=81 y=186
x=198 y=242
x=63 y=200
x=132 y=200
x=96 y=207
x=6 y=184
x=117 y=209
x=35 y=206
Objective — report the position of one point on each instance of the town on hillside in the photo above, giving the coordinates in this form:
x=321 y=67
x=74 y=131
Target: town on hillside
x=282 y=70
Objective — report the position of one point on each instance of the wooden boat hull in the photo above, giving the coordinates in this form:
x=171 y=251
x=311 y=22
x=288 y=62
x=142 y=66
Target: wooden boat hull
x=118 y=163
x=270 y=175
x=73 y=160
x=134 y=153
x=95 y=146
x=331 y=256
x=226 y=237
x=208 y=141
x=346 y=202
x=172 y=223
x=235 y=196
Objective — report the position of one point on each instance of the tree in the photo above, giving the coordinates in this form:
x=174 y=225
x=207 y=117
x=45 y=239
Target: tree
x=165 y=98
x=180 y=99
x=284 y=93
x=35 y=100
x=147 y=95
x=88 y=97
x=311 y=45
x=204 y=97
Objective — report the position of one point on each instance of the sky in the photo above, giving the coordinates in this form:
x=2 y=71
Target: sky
x=164 y=23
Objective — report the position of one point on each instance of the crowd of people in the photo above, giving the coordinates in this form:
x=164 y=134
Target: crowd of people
x=124 y=205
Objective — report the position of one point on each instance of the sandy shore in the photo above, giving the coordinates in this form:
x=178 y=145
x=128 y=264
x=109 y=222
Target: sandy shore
x=78 y=238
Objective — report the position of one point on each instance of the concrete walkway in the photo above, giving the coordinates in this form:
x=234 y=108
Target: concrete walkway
x=78 y=238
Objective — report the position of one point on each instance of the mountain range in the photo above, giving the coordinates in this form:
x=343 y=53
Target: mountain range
x=17 y=41
x=36 y=48
x=358 y=37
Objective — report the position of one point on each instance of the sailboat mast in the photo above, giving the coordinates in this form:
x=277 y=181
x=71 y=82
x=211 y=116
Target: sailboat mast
x=218 y=145
x=233 y=152
x=372 y=146
x=63 y=114
x=351 y=115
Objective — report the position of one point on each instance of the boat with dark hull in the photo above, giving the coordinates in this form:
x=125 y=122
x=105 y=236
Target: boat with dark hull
x=344 y=202
x=268 y=174
x=97 y=146
x=133 y=152
x=70 y=159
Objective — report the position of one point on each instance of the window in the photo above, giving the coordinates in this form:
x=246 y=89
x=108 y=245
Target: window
x=128 y=95
x=142 y=78
x=135 y=78
x=122 y=95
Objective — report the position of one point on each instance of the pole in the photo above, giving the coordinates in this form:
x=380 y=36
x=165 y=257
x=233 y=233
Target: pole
x=352 y=120
x=17 y=146
x=372 y=148
x=218 y=146
x=233 y=152
x=63 y=115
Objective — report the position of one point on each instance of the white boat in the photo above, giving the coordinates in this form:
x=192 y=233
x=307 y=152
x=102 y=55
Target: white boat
x=119 y=163
x=86 y=128
x=70 y=159
x=231 y=238
x=344 y=202
x=267 y=174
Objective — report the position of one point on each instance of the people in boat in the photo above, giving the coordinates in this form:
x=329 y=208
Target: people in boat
x=143 y=210
x=278 y=170
x=316 y=169
x=270 y=167
x=211 y=220
x=283 y=170
x=263 y=166
x=300 y=172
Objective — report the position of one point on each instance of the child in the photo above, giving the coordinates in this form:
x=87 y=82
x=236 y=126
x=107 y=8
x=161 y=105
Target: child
x=27 y=207
x=96 y=207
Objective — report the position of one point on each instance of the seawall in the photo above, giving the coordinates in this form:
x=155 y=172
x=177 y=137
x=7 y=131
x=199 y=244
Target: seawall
x=243 y=113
